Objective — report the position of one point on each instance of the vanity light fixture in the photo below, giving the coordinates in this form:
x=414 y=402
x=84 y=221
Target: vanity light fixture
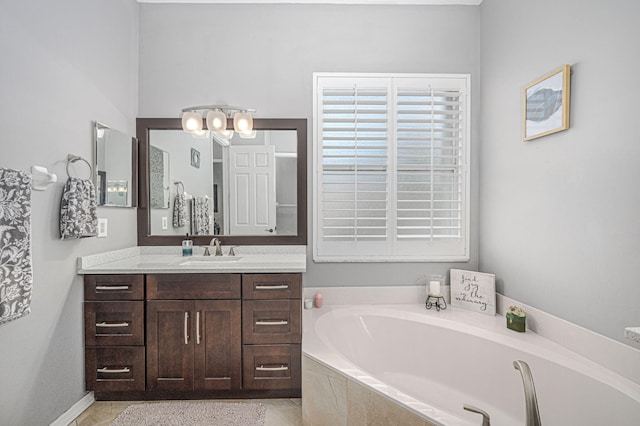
x=216 y=118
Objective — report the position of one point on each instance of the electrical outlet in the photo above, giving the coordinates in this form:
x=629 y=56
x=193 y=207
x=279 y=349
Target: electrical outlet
x=165 y=223
x=102 y=227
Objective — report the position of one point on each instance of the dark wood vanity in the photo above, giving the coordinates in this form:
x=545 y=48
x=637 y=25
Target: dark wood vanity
x=167 y=336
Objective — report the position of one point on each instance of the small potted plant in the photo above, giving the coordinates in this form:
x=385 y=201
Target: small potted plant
x=516 y=318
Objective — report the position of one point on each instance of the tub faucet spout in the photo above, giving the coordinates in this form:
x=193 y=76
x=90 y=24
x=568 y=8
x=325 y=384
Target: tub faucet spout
x=531 y=400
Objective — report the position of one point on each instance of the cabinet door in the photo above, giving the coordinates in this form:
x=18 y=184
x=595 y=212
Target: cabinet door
x=218 y=350
x=170 y=345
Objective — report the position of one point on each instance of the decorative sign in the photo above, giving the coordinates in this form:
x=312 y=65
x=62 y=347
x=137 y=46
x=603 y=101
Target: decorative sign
x=475 y=291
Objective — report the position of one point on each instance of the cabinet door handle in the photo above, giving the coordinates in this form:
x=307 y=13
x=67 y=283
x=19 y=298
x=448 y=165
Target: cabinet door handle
x=112 y=287
x=114 y=370
x=198 y=327
x=276 y=322
x=118 y=324
x=272 y=287
x=281 y=368
x=186 y=328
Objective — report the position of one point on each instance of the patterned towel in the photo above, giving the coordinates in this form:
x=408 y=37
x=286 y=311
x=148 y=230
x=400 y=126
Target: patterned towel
x=16 y=274
x=180 y=210
x=201 y=216
x=78 y=209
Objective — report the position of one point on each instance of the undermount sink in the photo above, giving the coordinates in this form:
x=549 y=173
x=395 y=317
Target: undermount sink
x=203 y=260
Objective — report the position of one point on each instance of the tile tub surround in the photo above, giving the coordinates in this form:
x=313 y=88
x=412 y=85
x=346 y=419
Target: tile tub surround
x=335 y=400
x=167 y=259
x=613 y=355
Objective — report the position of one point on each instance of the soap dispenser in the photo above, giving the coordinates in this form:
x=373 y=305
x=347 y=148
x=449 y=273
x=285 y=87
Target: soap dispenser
x=187 y=246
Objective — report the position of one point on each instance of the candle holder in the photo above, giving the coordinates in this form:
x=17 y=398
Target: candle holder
x=437 y=301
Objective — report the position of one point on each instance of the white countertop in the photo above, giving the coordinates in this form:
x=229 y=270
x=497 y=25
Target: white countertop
x=169 y=260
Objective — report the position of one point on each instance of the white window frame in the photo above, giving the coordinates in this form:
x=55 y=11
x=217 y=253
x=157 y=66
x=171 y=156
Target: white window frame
x=414 y=251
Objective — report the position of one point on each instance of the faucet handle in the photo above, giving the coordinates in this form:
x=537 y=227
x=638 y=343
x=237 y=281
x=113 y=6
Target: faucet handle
x=206 y=251
x=231 y=252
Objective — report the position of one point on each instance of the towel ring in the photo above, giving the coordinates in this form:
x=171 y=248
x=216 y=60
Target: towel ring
x=73 y=158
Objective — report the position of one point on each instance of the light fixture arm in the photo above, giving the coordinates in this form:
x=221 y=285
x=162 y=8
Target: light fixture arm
x=225 y=108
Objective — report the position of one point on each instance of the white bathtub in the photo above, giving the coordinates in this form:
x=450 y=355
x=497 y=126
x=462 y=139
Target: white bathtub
x=432 y=363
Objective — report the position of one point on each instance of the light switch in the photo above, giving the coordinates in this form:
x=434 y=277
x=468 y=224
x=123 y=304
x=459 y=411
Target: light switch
x=102 y=227
x=165 y=223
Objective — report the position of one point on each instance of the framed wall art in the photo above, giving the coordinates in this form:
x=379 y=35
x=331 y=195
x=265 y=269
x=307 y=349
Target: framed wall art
x=195 y=158
x=546 y=104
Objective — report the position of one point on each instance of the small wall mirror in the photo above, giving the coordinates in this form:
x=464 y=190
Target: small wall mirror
x=243 y=190
x=115 y=163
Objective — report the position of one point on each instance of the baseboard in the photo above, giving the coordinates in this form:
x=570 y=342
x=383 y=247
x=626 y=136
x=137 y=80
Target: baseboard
x=76 y=409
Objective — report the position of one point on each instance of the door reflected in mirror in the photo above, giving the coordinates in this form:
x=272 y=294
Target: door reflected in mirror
x=115 y=164
x=245 y=187
x=239 y=187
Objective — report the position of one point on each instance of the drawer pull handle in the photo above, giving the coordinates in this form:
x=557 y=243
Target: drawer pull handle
x=119 y=324
x=114 y=370
x=272 y=287
x=186 y=328
x=281 y=368
x=198 y=327
x=280 y=322
x=112 y=287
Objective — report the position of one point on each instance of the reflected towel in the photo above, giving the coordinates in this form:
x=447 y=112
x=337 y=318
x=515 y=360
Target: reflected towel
x=180 y=210
x=201 y=216
x=78 y=209
x=16 y=274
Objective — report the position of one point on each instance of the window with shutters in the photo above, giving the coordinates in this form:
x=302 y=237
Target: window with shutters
x=391 y=179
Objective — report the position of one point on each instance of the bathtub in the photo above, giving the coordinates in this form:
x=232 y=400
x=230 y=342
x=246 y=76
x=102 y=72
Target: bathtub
x=430 y=363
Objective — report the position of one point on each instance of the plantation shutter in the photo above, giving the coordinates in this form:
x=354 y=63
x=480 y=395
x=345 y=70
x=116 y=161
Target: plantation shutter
x=430 y=173
x=390 y=181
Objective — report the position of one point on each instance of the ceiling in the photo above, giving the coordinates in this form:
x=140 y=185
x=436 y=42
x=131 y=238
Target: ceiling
x=398 y=2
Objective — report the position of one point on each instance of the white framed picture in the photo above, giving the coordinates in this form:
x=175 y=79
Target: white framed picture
x=475 y=291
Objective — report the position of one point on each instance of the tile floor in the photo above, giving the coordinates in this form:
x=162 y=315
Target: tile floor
x=280 y=412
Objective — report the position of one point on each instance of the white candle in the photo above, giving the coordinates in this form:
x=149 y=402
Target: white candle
x=434 y=288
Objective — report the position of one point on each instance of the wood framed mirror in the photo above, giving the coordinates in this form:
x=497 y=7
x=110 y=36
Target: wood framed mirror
x=244 y=191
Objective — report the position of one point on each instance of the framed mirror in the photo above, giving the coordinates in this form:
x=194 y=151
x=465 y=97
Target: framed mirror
x=240 y=190
x=115 y=165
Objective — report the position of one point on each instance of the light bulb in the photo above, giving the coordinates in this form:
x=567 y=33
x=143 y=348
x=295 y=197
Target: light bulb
x=191 y=121
x=242 y=122
x=216 y=121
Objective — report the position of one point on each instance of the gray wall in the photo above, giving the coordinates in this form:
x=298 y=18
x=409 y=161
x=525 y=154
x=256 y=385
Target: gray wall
x=559 y=220
x=263 y=57
x=64 y=64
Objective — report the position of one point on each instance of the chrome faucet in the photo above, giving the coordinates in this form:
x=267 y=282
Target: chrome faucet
x=531 y=400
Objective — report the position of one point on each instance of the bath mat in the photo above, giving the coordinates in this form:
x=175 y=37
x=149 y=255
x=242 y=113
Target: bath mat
x=196 y=413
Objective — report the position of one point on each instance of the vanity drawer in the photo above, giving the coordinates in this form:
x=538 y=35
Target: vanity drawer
x=271 y=321
x=115 y=368
x=271 y=367
x=114 y=323
x=114 y=287
x=271 y=286
x=193 y=286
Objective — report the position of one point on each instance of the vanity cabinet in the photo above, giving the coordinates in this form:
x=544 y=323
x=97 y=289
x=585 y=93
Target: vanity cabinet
x=158 y=336
x=114 y=332
x=193 y=343
x=271 y=331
